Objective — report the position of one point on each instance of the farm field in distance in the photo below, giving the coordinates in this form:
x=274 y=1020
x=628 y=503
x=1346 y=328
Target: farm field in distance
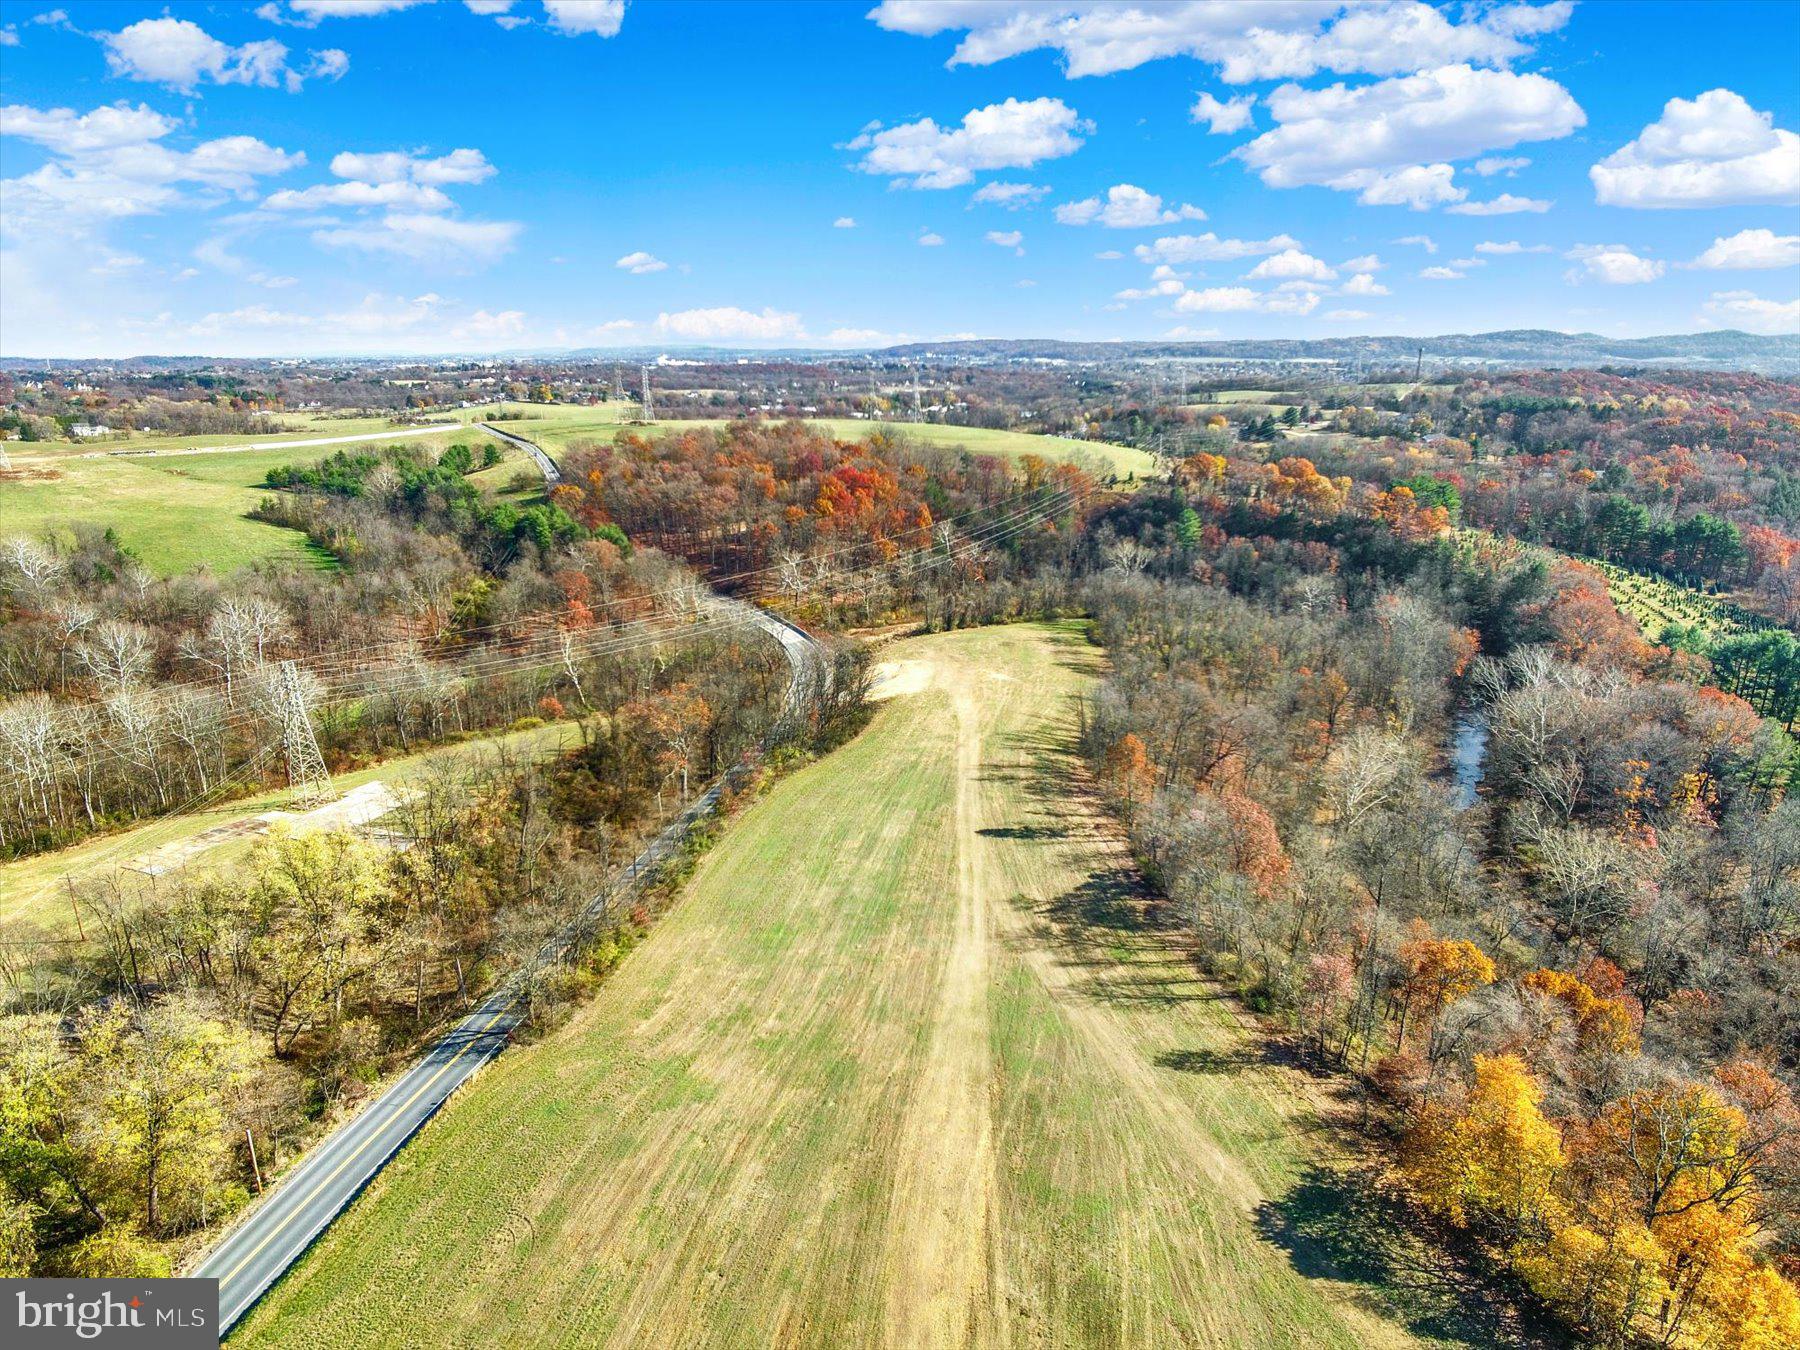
x=282 y=426
x=907 y=1063
x=177 y=512
x=1659 y=604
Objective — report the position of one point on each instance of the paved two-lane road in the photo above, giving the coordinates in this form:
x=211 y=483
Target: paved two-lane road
x=259 y=1249
x=254 y=1254
x=551 y=473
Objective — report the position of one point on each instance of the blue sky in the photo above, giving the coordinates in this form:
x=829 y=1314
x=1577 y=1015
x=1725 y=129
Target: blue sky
x=310 y=176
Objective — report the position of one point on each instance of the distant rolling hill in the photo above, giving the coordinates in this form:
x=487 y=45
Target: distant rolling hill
x=1513 y=347
x=1729 y=349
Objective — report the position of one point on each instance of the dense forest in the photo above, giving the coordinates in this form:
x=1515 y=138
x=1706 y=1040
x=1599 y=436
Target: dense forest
x=450 y=612
x=1403 y=773
x=1576 y=992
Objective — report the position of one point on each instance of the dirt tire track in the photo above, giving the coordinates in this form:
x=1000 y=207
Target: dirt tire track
x=890 y=1074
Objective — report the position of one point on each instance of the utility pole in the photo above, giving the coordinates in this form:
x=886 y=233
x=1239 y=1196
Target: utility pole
x=305 y=765
x=648 y=412
x=254 y=1164
x=1419 y=367
x=918 y=402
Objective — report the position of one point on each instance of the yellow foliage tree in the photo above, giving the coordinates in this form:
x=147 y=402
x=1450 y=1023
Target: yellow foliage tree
x=1495 y=1157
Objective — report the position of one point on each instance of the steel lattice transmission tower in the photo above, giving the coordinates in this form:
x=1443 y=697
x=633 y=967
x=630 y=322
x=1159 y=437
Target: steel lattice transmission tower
x=618 y=384
x=648 y=412
x=305 y=765
x=5 y=459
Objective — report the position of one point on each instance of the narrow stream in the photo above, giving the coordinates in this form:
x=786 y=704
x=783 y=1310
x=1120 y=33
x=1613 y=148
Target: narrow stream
x=1468 y=757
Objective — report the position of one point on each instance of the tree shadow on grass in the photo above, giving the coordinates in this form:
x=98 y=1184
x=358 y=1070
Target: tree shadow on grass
x=1341 y=1225
x=1226 y=1062
x=1026 y=832
x=1111 y=927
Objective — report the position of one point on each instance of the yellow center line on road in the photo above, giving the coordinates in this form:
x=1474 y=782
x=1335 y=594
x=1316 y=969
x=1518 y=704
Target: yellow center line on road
x=300 y=1208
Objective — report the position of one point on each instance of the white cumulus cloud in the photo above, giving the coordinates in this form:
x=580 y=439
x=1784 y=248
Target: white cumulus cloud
x=1615 y=264
x=430 y=239
x=1011 y=135
x=1291 y=264
x=410 y=196
x=1125 y=207
x=1209 y=247
x=1749 y=250
x=1393 y=141
x=182 y=55
x=1506 y=204
x=390 y=166
x=111 y=163
x=602 y=18
x=1223 y=116
x=1218 y=300
x=1280 y=39
x=1163 y=281
x=641 y=263
x=1743 y=309
x=1714 y=150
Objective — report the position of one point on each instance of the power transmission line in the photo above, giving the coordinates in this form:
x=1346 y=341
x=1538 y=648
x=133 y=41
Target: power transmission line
x=305 y=765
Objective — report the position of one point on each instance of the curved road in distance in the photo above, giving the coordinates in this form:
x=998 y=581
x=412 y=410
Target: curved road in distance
x=260 y=1248
x=552 y=474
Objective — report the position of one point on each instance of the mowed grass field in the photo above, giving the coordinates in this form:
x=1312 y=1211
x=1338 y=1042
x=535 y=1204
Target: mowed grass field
x=179 y=512
x=294 y=426
x=906 y=1065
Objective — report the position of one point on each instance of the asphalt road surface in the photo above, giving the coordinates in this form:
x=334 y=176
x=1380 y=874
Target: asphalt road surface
x=552 y=474
x=255 y=1253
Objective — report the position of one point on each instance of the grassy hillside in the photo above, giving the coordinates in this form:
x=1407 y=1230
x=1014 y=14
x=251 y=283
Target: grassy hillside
x=906 y=1065
x=1119 y=459
x=1658 y=604
x=176 y=512
x=282 y=426
x=182 y=511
